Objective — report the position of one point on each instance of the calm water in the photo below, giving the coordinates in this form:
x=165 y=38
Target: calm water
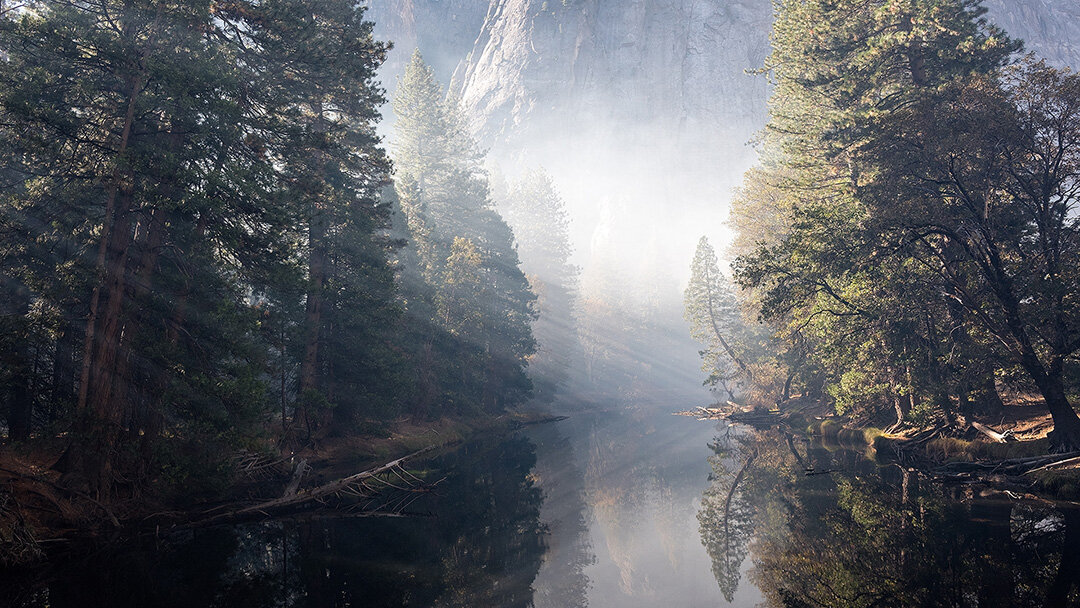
x=631 y=508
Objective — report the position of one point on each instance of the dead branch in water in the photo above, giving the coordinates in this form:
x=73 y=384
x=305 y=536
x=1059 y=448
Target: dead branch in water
x=353 y=484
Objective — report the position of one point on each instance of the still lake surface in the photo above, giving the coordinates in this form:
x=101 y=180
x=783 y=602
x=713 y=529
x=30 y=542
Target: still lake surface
x=626 y=508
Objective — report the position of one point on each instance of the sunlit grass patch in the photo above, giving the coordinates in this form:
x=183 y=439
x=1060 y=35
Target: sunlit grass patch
x=950 y=449
x=1063 y=484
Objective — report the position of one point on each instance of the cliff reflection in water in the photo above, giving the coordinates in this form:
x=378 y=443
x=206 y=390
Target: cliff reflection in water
x=870 y=535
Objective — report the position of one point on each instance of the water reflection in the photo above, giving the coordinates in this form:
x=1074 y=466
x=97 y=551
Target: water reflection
x=482 y=547
x=725 y=517
x=624 y=498
x=624 y=508
x=865 y=535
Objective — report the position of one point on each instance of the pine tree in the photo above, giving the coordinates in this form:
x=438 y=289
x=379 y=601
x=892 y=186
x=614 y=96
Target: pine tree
x=713 y=314
x=533 y=208
x=886 y=307
x=162 y=159
x=444 y=196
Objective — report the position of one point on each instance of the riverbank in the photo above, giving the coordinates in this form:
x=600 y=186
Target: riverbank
x=40 y=516
x=1010 y=453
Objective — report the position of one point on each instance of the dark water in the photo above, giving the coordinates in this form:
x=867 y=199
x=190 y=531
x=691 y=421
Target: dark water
x=634 y=508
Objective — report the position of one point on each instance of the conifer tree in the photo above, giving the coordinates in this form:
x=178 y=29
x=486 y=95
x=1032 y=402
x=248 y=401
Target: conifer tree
x=456 y=233
x=713 y=314
x=891 y=312
x=533 y=208
x=162 y=159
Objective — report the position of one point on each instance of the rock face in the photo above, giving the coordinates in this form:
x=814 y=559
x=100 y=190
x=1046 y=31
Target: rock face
x=621 y=62
x=1050 y=28
x=521 y=65
x=445 y=30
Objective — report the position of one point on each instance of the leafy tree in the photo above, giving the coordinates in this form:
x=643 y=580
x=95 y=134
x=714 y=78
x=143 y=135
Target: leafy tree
x=979 y=184
x=833 y=279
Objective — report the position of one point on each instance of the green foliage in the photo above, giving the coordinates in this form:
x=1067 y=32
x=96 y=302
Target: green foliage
x=468 y=303
x=737 y=353
x=193 y=232
x=898 y=232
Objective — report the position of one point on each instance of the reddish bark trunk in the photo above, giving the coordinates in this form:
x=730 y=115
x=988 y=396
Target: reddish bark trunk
x=309 y=365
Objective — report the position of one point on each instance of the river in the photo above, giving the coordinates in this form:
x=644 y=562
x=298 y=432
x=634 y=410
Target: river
x=625 y=508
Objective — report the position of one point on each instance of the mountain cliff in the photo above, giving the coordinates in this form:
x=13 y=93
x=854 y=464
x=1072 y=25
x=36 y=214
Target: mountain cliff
x=520 y=66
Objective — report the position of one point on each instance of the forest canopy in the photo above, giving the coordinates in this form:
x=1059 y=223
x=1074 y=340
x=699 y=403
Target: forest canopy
x=205 y=246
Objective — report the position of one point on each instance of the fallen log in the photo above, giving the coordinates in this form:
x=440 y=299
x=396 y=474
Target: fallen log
x=1014 y=466
x=312 y=494
x=1059 y=464
x=754 y=416
x=991 y=433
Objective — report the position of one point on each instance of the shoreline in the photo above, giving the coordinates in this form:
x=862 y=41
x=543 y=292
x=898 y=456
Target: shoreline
x=41 y=520
x=1019 y=464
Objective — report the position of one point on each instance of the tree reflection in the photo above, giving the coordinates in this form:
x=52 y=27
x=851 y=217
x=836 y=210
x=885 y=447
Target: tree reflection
x=482 y=546
x=725 y=516
x=562 y=581
x=865 y=535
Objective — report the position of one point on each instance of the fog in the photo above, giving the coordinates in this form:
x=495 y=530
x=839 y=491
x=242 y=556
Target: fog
x=643 y=119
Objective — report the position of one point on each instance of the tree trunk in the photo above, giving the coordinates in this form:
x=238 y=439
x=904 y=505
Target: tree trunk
x=21 y=406
x=1066 y=434
x=309 y=365
x=916 y=56
x=146 y=417
x=985 y=399
x=63 y=371
x=944 y=401
x=898 y=407
x=101 y=407
x=1069 y=568
x=318 y=261
x=99 y=413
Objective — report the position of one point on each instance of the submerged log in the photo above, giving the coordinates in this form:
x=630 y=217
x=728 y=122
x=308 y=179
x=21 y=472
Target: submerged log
x=314 y=494
x=1057 y=464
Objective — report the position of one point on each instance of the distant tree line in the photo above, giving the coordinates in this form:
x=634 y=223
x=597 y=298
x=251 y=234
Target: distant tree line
x=204 y=245
x=910 y=235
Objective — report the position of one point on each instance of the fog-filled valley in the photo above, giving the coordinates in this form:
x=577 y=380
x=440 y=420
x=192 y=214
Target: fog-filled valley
x=539 y=303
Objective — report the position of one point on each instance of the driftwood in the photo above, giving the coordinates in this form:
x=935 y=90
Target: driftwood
x=735 y=413
x=1059 y=464
x=1013 y=466
x=302 y=469
x=43 y=480
x=992 y=434
x=343 y=485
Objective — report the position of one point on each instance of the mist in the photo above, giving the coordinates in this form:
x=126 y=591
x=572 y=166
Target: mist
x=539 y=303
x=643 y=118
